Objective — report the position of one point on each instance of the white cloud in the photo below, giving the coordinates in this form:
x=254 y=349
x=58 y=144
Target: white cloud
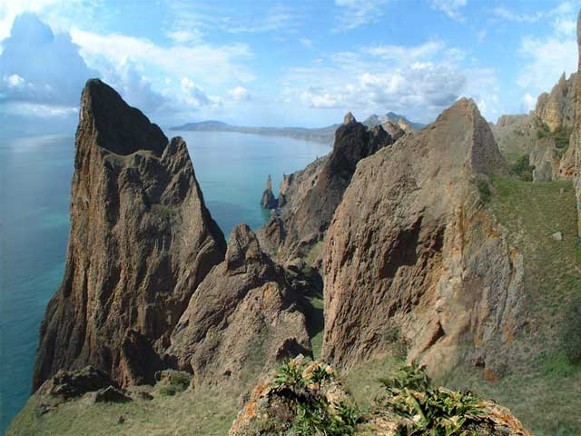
x=239 y=93
x=528 y=103
x=452 y=8
x=209 y=64
x=548 y=59
x=356 y=13
x=37 y=66
x=418 y=81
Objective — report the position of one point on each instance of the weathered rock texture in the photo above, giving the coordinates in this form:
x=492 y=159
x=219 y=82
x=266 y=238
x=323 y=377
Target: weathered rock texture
x=556 y=109
x=412 y=252
x=542 y=134
x=242 y=319
x=319 y=190
x=141 y=240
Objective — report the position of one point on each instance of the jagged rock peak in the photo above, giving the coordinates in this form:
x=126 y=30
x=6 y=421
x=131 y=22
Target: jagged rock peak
x=242 y=248
x=482 y=154
x=269 y=183
x=349 y=118
x=141 y=240
x=117 y=127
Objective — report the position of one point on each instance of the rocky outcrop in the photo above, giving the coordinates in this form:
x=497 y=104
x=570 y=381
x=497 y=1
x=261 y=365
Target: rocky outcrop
x=268 y=200
x=141 y=240
x=242 y=319
x=556 y=109
x=304 y=222
x=544 y=134
x=413 y=255
x=308 y=398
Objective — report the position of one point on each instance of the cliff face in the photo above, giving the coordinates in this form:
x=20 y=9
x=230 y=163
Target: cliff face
x=141 y=240
x=412 y=255
x=242 y=319
x=556 y=109
x=321 y=189
x=543 y=134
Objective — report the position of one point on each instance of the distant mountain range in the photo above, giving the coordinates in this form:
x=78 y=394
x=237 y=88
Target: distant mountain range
x=323 y=134
x=374 y=120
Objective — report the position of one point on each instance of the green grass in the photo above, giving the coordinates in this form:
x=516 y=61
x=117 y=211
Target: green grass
x=363 y=381
x=543 y=388
x=185 y=413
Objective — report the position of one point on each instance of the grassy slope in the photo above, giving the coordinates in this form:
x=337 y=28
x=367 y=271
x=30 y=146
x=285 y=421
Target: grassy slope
x=186 y=413
x=544 y=388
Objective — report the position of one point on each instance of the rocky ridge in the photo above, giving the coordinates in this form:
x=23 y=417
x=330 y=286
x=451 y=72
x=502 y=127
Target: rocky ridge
x=319 y=189
x=543 y=134
x=413 y=255
x=242 y=319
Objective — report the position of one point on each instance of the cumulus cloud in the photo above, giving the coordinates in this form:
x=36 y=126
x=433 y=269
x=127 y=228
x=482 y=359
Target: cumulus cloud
x=419 y=81
x=239 y=93
x=37 y=66
x=452 y=8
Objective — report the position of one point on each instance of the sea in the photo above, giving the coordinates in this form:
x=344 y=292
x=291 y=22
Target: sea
x=35 y=182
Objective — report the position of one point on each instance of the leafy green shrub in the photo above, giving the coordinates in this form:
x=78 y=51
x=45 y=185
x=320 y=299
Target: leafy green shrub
x=430 y=410
x=523 y=169
x=305 y=387
x=410 y=376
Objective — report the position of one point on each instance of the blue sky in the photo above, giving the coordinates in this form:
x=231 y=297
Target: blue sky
x=300 y=62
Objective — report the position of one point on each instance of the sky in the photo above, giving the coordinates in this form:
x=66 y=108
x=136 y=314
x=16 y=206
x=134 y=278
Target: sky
x=281 y=63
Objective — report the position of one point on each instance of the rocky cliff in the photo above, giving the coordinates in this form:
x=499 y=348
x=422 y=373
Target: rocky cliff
x=413 y=256
x=321 y=188
x=141 y=240
x=543 y=135
x=242 y=319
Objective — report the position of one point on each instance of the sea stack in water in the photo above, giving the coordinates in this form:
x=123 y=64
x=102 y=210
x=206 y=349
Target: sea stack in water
x=268 y=200
x=141 y=241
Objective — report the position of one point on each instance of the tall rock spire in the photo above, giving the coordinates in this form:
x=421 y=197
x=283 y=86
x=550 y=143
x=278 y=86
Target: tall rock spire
x=140 y=242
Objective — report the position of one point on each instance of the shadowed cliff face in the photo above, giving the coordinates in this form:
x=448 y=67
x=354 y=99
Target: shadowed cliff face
x=141 y=240
x=315 y=193
x=412 y=250
x=242 y=319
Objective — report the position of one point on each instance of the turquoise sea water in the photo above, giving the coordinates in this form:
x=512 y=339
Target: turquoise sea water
x=35 y=178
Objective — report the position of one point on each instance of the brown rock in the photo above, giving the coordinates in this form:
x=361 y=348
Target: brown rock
x=141 y=240
x=556 y=109
x=321 y=186
x=412 y=249
x=241 y=319
x=268 y=200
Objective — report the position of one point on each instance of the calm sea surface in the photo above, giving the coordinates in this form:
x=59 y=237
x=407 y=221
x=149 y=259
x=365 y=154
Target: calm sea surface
x=35 y=178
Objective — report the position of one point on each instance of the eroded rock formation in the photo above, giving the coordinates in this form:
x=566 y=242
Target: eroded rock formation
x=268 y=200
x=242 y=319
x=141 y=240
x=319 y=189
x=412 y=253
